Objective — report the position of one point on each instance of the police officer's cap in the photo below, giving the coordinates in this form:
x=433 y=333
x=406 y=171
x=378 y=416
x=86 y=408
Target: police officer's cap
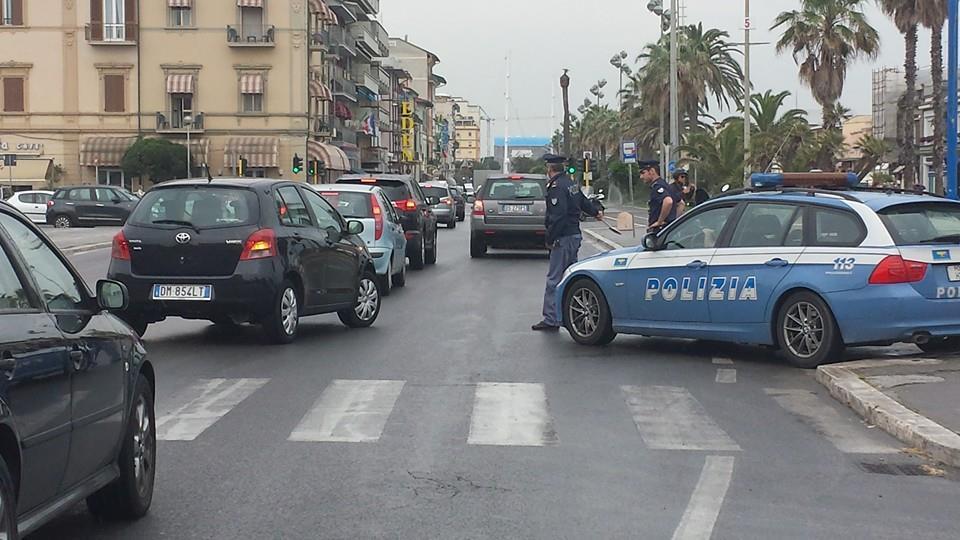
x=553 y=158
x=649 y=164
x=680 y=172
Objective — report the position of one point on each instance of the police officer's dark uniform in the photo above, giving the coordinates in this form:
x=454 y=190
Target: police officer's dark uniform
x=565 y=201
x=659 y=192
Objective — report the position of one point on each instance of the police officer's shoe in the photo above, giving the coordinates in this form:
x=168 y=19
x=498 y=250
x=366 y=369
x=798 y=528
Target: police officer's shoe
x=544 y=327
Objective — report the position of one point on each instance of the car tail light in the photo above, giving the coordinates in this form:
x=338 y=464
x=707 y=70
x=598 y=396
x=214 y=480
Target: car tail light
x=121 y=247
x=368 y=180
x=895 y=269
x=261 y=244
x=478 y=207
x=377 y=217
x=447 y=200
x=516 y=177
x=49 y=203
x=407 y=205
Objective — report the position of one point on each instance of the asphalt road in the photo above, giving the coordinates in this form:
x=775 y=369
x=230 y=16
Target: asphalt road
x=451 y=419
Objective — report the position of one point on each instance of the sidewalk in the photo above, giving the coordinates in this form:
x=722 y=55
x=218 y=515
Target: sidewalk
x=915 y=399
x=612 y=240
x=77 y=239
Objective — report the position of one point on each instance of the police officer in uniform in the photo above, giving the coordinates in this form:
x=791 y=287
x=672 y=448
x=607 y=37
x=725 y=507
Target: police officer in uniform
x=663 y=198
x=565 y=201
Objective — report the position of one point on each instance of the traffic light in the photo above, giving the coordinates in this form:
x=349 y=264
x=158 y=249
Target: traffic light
x=312 y=168
x=572 y=168
x=297 y=164
x=241 y=166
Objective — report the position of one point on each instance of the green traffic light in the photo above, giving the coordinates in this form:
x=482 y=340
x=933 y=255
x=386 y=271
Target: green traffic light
x=571 y=170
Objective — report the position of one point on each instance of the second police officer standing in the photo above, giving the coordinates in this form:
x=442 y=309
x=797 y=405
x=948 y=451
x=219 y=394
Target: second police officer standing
x=663 y=198
x=565 y=201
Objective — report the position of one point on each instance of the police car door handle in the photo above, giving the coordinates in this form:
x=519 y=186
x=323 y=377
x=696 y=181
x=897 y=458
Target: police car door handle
x=776 y=262
x=697 y=264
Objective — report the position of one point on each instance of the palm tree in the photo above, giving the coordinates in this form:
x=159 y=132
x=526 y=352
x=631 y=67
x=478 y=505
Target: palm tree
x=775 y=133
x=906 y=18
x=825 y=36
x=707 y=68
x=933 y=15
x=717 y=154
x=872 y=150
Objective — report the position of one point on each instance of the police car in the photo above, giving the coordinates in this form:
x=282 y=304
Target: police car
x=808 y=263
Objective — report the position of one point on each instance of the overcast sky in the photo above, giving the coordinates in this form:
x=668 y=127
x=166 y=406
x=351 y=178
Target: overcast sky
x=544 y=36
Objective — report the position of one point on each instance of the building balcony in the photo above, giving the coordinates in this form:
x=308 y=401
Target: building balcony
x=371 y=38
x=368 y=82
x=261 y=35
x=342 y=42
x=101 y=33
x=173 y=122
x=370 y=7
x=344 y=89
x=323 y=125
x=320 y=40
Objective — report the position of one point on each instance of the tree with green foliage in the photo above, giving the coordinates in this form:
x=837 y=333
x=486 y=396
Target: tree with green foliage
x=156 y=159
x=522 y=165
x=488 y=164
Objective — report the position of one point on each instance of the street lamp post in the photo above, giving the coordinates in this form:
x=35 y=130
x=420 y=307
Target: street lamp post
x=952 y=36
x=187 y=122
x=564 y=86
x=618 y=62
x=674 y=84
x=656 y=7
x=746 y=92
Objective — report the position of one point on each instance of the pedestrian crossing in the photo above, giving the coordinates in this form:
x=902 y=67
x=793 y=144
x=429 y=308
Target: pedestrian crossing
x=514 y=414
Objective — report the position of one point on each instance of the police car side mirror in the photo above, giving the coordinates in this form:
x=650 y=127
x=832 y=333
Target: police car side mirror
x=651 y=242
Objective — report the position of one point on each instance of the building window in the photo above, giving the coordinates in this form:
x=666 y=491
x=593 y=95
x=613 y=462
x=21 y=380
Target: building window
x=113 y=20
x=11 y=12
x=13 y=94
x=251 y=92
x=181 y=16
x=114 y=95
x=111 y=177
x=251 y=21
x=252 y=103
x=181 y=105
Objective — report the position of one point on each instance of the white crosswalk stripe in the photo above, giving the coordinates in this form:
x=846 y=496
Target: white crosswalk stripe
x=349 y=411
x=670 y=418
x=511 y=414
x=206 y=402
x=843 y=431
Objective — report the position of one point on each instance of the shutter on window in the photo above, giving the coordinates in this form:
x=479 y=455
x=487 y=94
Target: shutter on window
x=13 y=94
x=130 y=19
x=17 y=15
x=113 y=92
x=96 y=20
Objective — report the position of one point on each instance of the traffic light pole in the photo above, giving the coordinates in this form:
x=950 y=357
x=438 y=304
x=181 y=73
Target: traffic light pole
x=674 y=90
x=952 y=37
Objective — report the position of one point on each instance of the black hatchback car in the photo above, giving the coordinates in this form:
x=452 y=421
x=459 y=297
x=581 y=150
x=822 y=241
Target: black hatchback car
x=89 y=205
x=76 y=391
x=415 y=209
x=243 y=250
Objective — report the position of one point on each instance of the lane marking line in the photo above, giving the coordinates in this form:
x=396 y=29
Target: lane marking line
x=349 y=411
x=726 y=376
x=210 y=400
x=723 y=361
x=511 y=414
x=670 y=418
x=702 y=511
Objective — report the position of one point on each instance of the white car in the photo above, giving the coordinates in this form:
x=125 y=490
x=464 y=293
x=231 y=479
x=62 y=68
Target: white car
x=33 y=204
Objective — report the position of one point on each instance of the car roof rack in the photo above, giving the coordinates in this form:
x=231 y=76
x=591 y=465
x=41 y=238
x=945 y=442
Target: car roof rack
x=778 y=189
x=895 y=191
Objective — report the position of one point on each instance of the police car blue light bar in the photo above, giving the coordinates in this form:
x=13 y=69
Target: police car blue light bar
x=805 y=180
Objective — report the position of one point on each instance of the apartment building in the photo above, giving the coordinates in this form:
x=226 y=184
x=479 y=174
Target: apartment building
x=420 y=63
x=82 y=80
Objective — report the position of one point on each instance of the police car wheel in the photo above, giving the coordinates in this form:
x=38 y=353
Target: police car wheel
x=807 y=332
x=587 y=315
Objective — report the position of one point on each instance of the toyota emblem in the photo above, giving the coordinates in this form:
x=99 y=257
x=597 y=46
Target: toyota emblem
x=182 y=238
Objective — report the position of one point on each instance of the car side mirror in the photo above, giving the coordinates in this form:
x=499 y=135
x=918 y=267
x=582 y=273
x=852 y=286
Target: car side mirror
x=112 y=295
x=117 y=201
x=651 y=242
x=354 y=227
x=432 y=200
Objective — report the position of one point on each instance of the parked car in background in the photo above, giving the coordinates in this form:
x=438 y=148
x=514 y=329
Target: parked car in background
x=83 y=206
x=445 y=207
x=461 y=199
x=509 y=212
x=414 y=207
x=233 y=251
x=77 y=390
x=382 y=231
x=33 y=204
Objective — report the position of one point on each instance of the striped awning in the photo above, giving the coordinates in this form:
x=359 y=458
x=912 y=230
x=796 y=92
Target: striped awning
x=320 y=91
x=251 y=83
x=180 y=83
x=250 y=3
x=104 y=151
x=258 y=151
x=180 y=3
x=199 y=149
x=334 y=159
x=323 y=11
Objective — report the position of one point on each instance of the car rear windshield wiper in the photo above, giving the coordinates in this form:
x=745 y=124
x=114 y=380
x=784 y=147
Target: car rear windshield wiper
x=175 y=222
x=944 y=238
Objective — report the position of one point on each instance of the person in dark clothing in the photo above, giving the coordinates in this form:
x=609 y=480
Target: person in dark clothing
x=663 y=201
x=565 y=201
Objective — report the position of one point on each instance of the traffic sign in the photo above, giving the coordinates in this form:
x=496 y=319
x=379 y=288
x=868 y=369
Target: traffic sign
x=587 y=154
x=672 y=167
x=629 y=151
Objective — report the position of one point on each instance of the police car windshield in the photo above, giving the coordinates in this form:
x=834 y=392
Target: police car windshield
x=514 y=189
x=923 y=223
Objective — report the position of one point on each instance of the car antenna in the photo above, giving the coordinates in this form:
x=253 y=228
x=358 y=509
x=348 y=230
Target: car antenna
x=209 y=176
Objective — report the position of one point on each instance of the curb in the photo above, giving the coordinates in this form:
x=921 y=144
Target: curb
x=76 y=250
x=885 y=412
x=603 y=240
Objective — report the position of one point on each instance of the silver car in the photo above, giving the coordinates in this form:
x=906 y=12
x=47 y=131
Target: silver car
x=509 y=212
x=446 y=209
